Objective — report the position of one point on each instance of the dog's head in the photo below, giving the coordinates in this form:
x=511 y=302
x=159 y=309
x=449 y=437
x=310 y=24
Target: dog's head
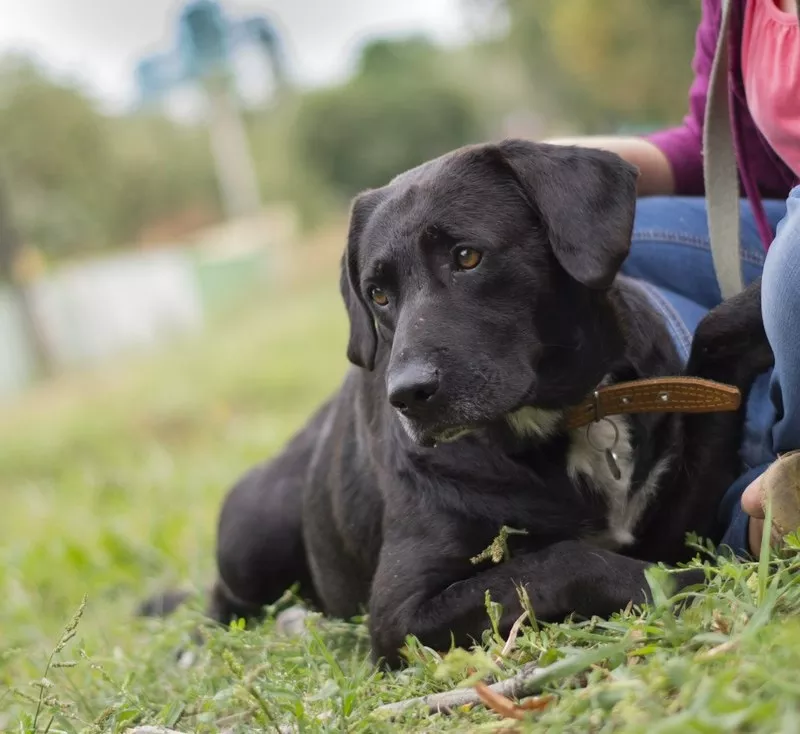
x=481 y=280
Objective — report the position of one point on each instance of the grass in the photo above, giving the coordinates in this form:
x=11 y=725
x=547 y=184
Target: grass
x=110 y=484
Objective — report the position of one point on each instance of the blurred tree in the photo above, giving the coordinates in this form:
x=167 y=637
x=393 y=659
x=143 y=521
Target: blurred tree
x=602 y=65
x=398 y=110
x=10 y=250
x=79 y=180
x=162 y=169
x=52 y=145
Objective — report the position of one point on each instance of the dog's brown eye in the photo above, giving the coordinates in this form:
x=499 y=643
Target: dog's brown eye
x=467 y=258
x=379 y=297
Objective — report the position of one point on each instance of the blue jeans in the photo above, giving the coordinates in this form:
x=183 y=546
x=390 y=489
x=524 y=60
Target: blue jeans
x=671 y=251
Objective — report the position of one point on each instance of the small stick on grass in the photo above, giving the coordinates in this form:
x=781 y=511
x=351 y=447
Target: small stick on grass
x=512 y=637
x=529 y=680
x=524 y=683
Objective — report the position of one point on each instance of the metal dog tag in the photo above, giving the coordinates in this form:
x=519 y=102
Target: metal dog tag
x=613 y=466
x=611 y=457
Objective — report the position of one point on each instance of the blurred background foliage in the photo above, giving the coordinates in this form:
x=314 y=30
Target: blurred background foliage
x=82 y=181
x=607 y=65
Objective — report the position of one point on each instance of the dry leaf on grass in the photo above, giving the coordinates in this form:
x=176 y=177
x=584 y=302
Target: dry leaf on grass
x=719 y=623
x=498 y=703
x=536 y=703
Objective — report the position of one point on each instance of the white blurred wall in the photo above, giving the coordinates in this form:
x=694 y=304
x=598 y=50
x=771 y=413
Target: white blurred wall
x=130 y=302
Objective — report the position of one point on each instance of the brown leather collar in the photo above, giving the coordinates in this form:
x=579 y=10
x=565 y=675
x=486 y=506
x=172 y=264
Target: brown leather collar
x=657 y=395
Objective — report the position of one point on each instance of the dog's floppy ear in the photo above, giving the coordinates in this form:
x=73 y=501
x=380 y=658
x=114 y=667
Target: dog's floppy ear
x=585 y=199
x=363 y=341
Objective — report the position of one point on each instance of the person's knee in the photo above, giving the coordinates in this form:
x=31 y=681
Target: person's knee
x=780 y=283
x=669 y=248
x=658 y=214
x=780 y=308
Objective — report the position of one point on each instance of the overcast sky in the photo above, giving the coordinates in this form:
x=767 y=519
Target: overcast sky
x=99 y=41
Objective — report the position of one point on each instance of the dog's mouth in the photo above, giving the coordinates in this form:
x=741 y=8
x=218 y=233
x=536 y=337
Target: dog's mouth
x=524 y=422
x=457 y=423
x=450 y=435
x=433 y=436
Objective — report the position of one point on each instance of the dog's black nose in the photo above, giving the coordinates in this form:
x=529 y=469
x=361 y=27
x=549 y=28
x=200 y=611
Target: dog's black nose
x=412 y=388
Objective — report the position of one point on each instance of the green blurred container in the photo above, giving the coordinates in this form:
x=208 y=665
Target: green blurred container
x=226 y=281
x=16 y=354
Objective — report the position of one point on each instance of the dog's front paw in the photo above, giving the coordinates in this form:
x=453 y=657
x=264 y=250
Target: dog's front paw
x=730 y=344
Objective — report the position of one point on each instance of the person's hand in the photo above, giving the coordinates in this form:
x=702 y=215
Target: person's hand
x=752 y=505
x=781 y=483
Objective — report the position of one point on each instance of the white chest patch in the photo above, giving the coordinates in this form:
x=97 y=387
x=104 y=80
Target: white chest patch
x=587 y=459
x=534 y=422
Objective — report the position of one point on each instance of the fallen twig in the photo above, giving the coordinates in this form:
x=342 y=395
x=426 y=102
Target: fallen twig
x=512 y=637
x=529 y=680
x=524 y=683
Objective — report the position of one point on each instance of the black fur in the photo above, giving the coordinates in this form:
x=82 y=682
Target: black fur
x=372 y=510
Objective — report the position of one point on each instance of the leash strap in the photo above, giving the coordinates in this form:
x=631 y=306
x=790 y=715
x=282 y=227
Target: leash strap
x=719 y=169
x=656 y=395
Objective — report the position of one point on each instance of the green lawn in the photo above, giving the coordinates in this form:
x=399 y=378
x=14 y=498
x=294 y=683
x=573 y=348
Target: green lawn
x=110 y=484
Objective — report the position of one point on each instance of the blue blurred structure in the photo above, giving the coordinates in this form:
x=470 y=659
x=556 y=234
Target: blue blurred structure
x=206 y=42
x=203 y=38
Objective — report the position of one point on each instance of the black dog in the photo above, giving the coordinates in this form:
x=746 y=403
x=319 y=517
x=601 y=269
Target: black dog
x=483 y=299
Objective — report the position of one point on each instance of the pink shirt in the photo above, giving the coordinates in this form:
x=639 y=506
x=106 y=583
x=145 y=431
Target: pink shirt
x=771 y=74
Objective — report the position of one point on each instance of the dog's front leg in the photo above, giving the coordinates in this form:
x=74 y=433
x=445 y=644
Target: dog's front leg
x=730 y=346
x=420 y=591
